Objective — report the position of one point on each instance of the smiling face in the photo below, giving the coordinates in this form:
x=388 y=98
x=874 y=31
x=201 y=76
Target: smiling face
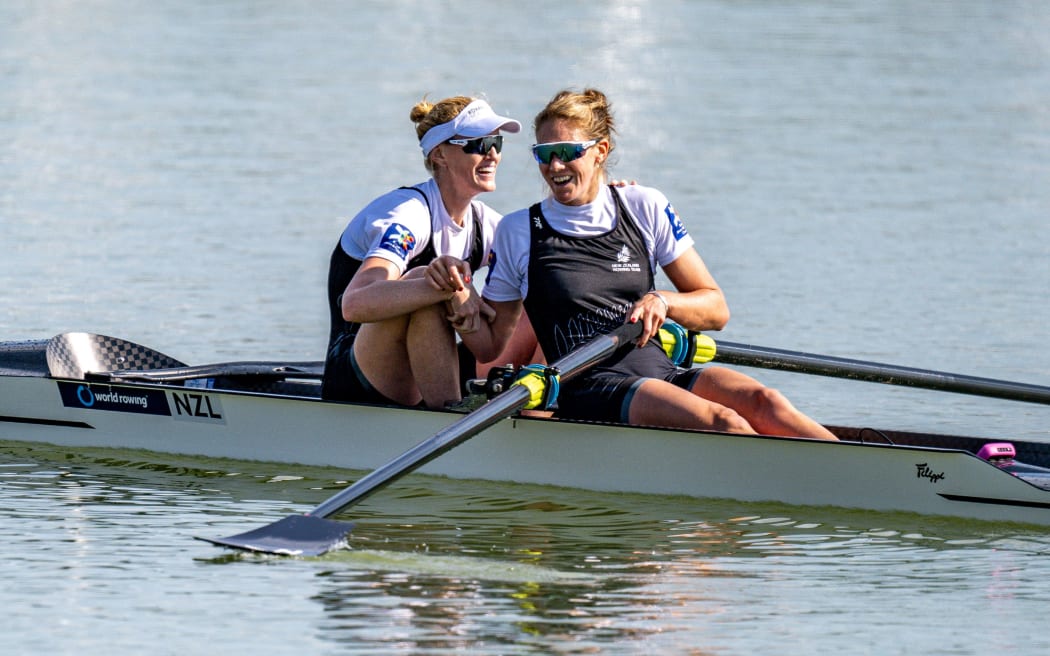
x=575 y=182
x=466 y=174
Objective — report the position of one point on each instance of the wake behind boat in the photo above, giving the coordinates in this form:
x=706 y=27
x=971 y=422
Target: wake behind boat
x=85 y=390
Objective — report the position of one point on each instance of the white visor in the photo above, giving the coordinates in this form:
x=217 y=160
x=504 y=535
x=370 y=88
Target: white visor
x=476 y=120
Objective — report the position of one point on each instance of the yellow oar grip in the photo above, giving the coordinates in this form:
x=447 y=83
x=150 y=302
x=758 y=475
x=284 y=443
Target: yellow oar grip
x=542 y=382
x=705 y=349
x=537 y=387
x=705 y=346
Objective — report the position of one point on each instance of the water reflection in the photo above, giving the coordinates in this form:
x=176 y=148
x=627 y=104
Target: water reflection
x=436 y=564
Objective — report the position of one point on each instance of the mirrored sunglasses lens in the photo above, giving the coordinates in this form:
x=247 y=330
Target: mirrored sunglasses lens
x=482 y=145
x=566 y=152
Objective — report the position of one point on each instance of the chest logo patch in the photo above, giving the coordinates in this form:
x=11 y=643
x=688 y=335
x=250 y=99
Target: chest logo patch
x=623 y=262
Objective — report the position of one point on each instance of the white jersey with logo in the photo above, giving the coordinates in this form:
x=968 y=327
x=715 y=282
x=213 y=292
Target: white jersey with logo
x=397 y=226
x=665 y=236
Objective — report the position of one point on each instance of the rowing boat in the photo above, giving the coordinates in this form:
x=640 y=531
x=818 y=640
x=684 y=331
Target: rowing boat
x=86 y=390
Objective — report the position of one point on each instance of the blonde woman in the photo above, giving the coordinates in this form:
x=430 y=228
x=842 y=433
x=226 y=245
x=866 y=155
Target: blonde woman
x=399 y=283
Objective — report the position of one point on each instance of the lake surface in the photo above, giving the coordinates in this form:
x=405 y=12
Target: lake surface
x=865 y=180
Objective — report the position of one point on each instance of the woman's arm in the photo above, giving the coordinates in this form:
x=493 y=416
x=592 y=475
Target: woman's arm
x=378 y=292
x=491 y=339
x=522 y=348
x=697 y=301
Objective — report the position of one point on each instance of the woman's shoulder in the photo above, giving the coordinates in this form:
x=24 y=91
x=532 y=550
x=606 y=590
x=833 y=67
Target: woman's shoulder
x=512 y=233
x=642 y=195
x=516 y=222
x=401 y=200
x=410 y=197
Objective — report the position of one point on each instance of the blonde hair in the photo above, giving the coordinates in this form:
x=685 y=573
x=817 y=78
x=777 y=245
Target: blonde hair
x=427 y=115
x=589 y=110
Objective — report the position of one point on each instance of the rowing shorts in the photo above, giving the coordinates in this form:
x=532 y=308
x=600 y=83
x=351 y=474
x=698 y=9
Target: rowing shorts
x=605 y=393
x=344 y=381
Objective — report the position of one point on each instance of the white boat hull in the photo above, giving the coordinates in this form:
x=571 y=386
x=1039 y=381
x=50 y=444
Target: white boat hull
x=308 y=431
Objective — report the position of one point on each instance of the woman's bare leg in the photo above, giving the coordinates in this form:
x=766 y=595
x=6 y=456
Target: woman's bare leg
x=659 y=403
x=766 y=409
x=411 y=358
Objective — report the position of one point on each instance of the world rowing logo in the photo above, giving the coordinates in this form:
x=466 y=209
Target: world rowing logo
x=112 y=398
x=85 y=396
x=399 y=240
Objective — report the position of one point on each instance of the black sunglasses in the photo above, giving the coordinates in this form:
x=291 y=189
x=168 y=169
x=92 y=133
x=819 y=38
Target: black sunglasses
x=480 y=145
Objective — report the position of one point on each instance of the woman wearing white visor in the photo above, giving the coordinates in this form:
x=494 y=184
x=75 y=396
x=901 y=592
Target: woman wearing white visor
x=399 y=278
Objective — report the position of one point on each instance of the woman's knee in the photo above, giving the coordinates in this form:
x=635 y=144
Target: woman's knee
x=432 y=317
x=769 y=401
x=729 y=420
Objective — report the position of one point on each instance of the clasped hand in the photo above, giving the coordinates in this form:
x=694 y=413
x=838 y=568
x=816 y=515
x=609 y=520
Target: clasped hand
x=466 y=309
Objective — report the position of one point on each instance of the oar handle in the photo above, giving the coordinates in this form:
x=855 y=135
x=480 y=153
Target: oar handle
x=876 y=372
x=674 y=339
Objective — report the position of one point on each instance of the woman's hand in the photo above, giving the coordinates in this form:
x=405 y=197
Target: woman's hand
x=467 y=310
x=448 y=274
x=652 y=310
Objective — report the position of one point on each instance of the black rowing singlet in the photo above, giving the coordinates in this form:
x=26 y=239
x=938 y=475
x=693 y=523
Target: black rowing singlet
x=580 y=287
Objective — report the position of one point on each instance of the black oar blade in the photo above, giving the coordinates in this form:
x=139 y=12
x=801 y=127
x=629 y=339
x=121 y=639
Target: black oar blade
x=295 y=535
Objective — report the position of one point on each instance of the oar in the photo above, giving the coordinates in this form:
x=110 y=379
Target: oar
x=874 y=372
x=76 y=355
x=313 y=534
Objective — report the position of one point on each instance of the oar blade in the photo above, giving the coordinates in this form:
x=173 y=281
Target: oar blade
x=295 y=535
x=74 y=355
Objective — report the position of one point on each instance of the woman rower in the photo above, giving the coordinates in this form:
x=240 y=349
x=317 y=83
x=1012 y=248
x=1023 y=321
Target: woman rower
x=582 y=262
x=399 y=280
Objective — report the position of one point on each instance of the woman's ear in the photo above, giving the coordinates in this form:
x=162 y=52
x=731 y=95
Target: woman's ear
x=437 y=157
x=603 y=151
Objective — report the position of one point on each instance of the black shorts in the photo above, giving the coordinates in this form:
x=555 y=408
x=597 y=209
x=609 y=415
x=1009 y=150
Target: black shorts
x=344 y=381
x=605 y=392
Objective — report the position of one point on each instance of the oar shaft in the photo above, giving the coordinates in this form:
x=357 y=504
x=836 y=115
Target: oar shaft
x=824 y=365
x=495 y=410
x=470 y=425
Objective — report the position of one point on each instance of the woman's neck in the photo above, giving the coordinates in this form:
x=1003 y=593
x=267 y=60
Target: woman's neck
x=457 y=203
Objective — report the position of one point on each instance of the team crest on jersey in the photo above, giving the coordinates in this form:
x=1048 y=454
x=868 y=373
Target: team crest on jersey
x=623 y=262
x=677 y=227
x=399 y=240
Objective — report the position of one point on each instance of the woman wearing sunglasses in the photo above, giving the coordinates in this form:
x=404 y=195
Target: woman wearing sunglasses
x=399 y=278
x=582 y=262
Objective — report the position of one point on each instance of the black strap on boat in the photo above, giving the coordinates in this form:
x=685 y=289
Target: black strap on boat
x=255 y=369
